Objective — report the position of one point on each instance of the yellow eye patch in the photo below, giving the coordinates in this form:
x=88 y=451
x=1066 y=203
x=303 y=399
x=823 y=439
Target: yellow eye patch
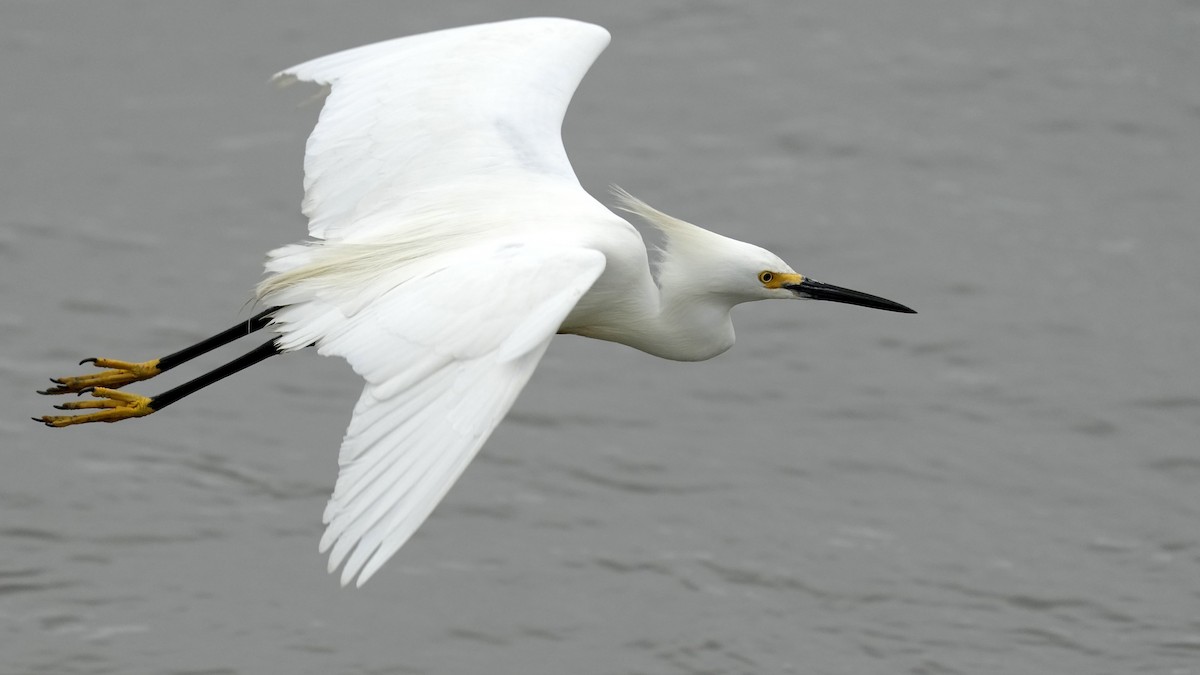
x=778 y=279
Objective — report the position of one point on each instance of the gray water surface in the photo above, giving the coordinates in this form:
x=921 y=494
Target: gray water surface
x=1008 y=482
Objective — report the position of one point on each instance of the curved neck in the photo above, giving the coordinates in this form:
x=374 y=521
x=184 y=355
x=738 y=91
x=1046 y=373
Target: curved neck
x=677 y=326
x=690 y=328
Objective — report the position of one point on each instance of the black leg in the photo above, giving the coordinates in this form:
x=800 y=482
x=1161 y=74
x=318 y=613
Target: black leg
x=260 y=353
x=241 y=330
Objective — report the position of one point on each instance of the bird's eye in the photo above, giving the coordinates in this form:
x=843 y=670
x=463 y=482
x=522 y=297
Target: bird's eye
x=766 y=277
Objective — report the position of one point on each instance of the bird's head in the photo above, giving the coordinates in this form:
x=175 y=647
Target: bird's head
x=698 y=261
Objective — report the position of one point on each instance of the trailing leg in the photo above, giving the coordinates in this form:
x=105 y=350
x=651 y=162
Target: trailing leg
x=121 y=373
x=111 y=405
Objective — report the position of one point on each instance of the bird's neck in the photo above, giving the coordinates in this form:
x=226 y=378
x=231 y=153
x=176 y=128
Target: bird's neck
x=669 y=325
x=690 y=327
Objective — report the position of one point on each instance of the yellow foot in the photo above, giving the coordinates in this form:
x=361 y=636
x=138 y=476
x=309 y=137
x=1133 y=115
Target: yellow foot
x=114 y=406
x=122 y=373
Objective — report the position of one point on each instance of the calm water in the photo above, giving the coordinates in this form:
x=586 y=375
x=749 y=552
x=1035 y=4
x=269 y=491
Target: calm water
x=1008 y=482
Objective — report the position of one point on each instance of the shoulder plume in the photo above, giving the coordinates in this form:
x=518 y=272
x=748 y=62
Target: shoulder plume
x=671 y=227
x=682 y=238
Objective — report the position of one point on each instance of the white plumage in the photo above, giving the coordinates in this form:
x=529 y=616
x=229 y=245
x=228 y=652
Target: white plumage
x=452 y=241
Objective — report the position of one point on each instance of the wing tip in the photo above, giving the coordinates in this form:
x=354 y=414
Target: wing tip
x=325 y=69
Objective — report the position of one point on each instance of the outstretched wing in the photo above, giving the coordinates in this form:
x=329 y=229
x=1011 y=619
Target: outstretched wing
x=444 y=356
x=434 y=161
x=418 y=112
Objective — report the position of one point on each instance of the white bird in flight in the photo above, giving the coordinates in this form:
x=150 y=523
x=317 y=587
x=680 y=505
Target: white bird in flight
x=450 y=241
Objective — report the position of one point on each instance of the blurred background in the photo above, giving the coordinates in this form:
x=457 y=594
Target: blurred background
x=1006 y=482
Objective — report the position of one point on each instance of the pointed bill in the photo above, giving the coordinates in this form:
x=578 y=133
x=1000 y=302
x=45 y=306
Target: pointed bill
x=816 y=290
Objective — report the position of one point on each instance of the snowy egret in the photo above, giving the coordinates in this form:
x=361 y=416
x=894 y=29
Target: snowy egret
x=450 y=241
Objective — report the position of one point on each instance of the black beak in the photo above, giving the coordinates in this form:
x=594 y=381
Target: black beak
x=819 y=291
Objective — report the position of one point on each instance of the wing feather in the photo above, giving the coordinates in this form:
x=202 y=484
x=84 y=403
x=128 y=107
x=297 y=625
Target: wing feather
x=414 y=113
x=444 y=357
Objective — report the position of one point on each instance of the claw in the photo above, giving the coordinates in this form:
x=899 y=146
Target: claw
x=111 y=405
x=120 y=373
x=51 y=390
